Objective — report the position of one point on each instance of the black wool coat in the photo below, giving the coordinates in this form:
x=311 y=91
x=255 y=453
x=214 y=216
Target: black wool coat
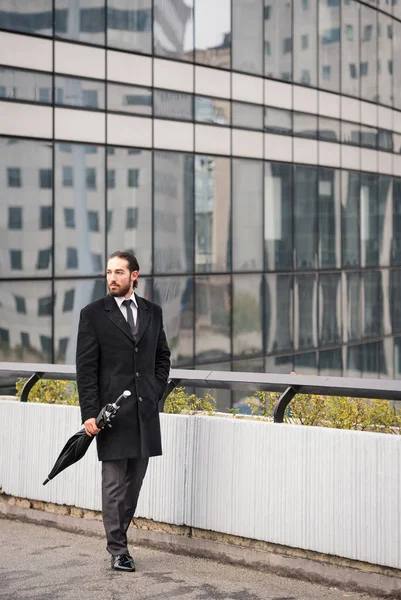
x=109 y=361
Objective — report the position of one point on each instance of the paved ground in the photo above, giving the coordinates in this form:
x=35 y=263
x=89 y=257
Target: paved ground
x=42 y=563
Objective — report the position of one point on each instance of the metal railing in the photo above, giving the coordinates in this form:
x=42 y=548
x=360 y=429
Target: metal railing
x=287 y=385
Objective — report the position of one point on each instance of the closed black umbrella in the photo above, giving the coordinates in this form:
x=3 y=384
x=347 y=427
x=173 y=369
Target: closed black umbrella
x=78 y=444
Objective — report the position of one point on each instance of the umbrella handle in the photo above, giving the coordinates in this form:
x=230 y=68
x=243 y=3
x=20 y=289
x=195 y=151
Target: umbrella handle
x=124 y=395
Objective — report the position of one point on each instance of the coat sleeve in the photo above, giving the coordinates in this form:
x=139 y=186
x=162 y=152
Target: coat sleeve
x=162 y=363
x=87 y=365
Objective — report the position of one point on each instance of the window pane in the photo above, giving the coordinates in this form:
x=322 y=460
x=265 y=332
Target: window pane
x=212 y=213
x=352 y=307
x=82 y=20
x=305 y=125
x=22 y=198
x=278 y=216
x=368 y=65
x=278 y=121
x=213 y=311
x=369 y=220
x=396 y=230
x=173 y=29
x=368 y=137
x=25 y=85
x=173 y=105
x=248 y=36
x=279 y=319
x=247 y=315
x=173 y=212
x=350 y=48
x=329 y=309
x=129 y=25
x=305 y=42
x=373 y=304
x=350 y=209
x=278 y=39
x=305 y=364
x=247 y=115
x=212 y=110
x=176 y=297
x=79 y=92
x=385 y=218
x=37 y=19
x=395 y=295
x=247 y=215
x=329 y=46
x=71 y=297
x=213 y=33
x=350 y=133
x=130 y=99
x=76 y=244
x=329 y=218
x=305 y=217
x=385 y=60
x=331 y=362
x=305 y=314
x=329 y=129
x=397 y=61
x=131 y=226
x=20 y=332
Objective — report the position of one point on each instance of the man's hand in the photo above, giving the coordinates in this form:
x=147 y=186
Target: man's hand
x=90 y=427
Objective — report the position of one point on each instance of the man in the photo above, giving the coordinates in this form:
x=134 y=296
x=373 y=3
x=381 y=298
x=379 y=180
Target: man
x=122 y=346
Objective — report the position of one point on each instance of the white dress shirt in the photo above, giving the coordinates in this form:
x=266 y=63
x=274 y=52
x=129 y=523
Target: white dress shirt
x=134 y=306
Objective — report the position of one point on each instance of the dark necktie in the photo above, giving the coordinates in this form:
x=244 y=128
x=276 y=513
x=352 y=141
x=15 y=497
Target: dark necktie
x=130 y=316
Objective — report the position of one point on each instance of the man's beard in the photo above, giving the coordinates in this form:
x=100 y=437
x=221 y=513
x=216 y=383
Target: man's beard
x=122 y=290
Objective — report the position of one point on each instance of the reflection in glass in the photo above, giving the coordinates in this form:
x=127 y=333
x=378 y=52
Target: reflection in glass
x=82 y=20
x=386 y=140
x=26 y=190
x=212 y=321
x=368 y=137
x=247 y=315
x=176 y=297
x=329 y=45
x=373 y=304
x=396 y=229
x=84 y=93
x=395 y=295
x=26 y=312
x=350 y=50
x=278 y=39
x=305 y=217
x=173 y=105
x=305 y=313
x=350 y=133
x=350 y=212
x=129 y=99
x=370 y=358
x=385 y=59
x=329 y=309
x=213 y=33
x=385 y=218
x=305 y=364
x=305 y=125
x=278 y=216
x=70 y=298
x=397 y=358
x=331 y=362
x=248 y=36
x=369 y=220
x=278 y=121
x=173 y=212
x=16 y=84
x=129 y=25
x=212 y=110
x=329 y=218
x=129 y=204
x=329 y=129
x=278 y=313
x=352 y=317
x=173 y=29
x=369 y=63
x=212 y=213
x=396 y=65
x=305 y=42
x=247 y=217
x=19 y=15
x=279 y=364
x=247 y=115
x=354 y=361
x=79 y=249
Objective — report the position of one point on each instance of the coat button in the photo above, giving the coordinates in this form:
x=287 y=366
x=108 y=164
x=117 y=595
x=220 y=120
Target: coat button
x=136 y=349
x=137 y=374
x=140 y=398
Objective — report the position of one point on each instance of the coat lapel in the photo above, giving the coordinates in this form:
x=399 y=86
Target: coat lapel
x=115 y=315
x=144 y=316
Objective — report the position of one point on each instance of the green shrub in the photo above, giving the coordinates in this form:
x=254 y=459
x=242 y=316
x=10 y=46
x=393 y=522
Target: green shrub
x=179 y=401
x=51 y=391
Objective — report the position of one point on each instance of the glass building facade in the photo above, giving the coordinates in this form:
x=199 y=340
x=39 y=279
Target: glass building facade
x=247 y=151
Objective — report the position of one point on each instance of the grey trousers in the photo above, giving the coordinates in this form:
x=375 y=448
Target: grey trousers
x=121 y=484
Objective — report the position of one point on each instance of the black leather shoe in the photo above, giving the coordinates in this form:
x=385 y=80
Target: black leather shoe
x=122 y=562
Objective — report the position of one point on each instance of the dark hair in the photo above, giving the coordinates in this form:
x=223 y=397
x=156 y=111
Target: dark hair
x=132 y=261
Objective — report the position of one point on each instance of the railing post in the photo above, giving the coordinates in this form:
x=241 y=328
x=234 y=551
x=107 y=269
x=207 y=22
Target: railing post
x=283 y=402
x=29 y=385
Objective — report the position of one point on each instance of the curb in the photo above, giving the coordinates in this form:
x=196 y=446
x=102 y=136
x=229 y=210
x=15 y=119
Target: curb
x=358 y=577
